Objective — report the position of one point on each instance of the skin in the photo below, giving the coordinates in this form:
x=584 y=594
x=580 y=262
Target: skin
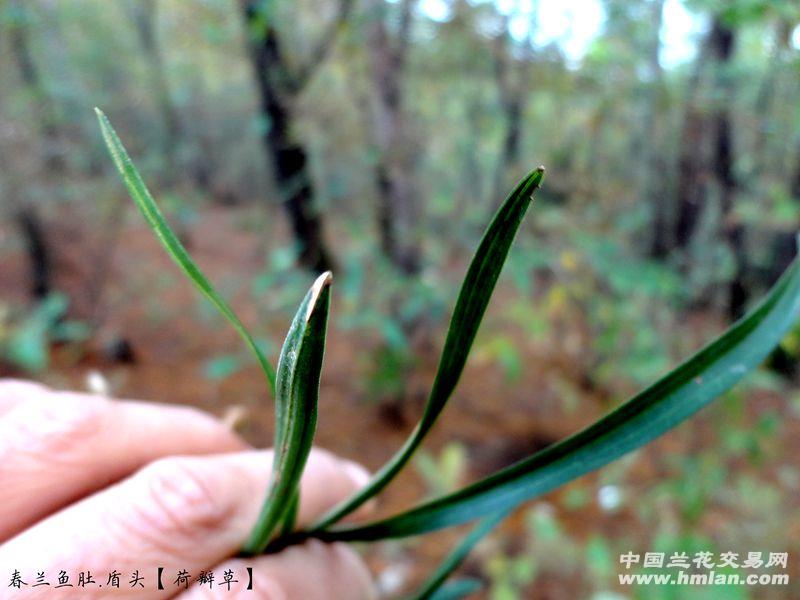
x=88 y=483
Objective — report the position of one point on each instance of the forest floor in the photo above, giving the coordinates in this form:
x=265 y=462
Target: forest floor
x=146 y=301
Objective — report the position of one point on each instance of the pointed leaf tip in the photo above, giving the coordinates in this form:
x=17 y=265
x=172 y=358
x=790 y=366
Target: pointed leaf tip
x=169 y=240
x=322 y=282
x=651 y=413
x=297 y=393
x=471 y=304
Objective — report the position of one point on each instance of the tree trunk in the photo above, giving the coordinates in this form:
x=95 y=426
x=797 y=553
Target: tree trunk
x=692 y=165
x=784 y=246
x=722 y=43
x=508 y=161
x=203 y=163
x=27 y=218
x=770 y=94
x=288 y=156
x=653 y=186
x=397 y=210
x=707 y=155
x=32 y=230
x=696 y=153
x=512 y=83
x=144 y=18
x=52 y=152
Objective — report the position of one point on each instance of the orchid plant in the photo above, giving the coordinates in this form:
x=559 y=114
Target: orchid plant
x=294 y=384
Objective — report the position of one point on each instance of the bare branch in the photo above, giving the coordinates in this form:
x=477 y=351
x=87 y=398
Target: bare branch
x=270 y=64
x=320 y=52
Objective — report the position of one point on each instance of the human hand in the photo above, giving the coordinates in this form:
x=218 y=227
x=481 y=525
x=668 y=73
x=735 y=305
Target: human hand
x=91 y=484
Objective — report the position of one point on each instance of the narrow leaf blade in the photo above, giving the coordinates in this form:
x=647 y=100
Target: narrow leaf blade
x=297 y=393
x=147 y=206
x=290 y=518
x=433 y=587
x=476 y=291
x=456 y=590
x=649 y=414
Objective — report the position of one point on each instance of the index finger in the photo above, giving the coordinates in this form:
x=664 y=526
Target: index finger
x=56 y=451
x=14 y=392
x=179 y=513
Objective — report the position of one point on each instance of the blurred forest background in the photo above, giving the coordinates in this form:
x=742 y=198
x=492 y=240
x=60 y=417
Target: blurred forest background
x=376 y=138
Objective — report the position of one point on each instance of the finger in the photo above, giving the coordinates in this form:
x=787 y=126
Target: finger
x=56 y=451
x=311 y=571
x=16 y=391
x=176 y=513
x=327 y=481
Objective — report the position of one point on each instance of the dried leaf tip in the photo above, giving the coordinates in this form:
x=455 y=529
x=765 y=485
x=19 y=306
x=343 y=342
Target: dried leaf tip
x=320 y=284
x=540 y=170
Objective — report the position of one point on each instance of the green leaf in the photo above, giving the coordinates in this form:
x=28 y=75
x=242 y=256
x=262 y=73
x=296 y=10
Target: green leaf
x=649 y=414
x=472 y=301
x=432 y=588
x=28 y=344
x=152 y=214
x=290 y=518
x=297 y=391
x=456 y=590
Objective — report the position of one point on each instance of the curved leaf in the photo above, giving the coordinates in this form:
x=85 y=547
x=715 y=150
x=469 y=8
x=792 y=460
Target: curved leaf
x=471 y=304
x=297 y=391
x=147 y=206
x=652 y=412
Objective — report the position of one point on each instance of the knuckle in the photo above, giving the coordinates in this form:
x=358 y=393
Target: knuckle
x=57 y=432
x=179 y=503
